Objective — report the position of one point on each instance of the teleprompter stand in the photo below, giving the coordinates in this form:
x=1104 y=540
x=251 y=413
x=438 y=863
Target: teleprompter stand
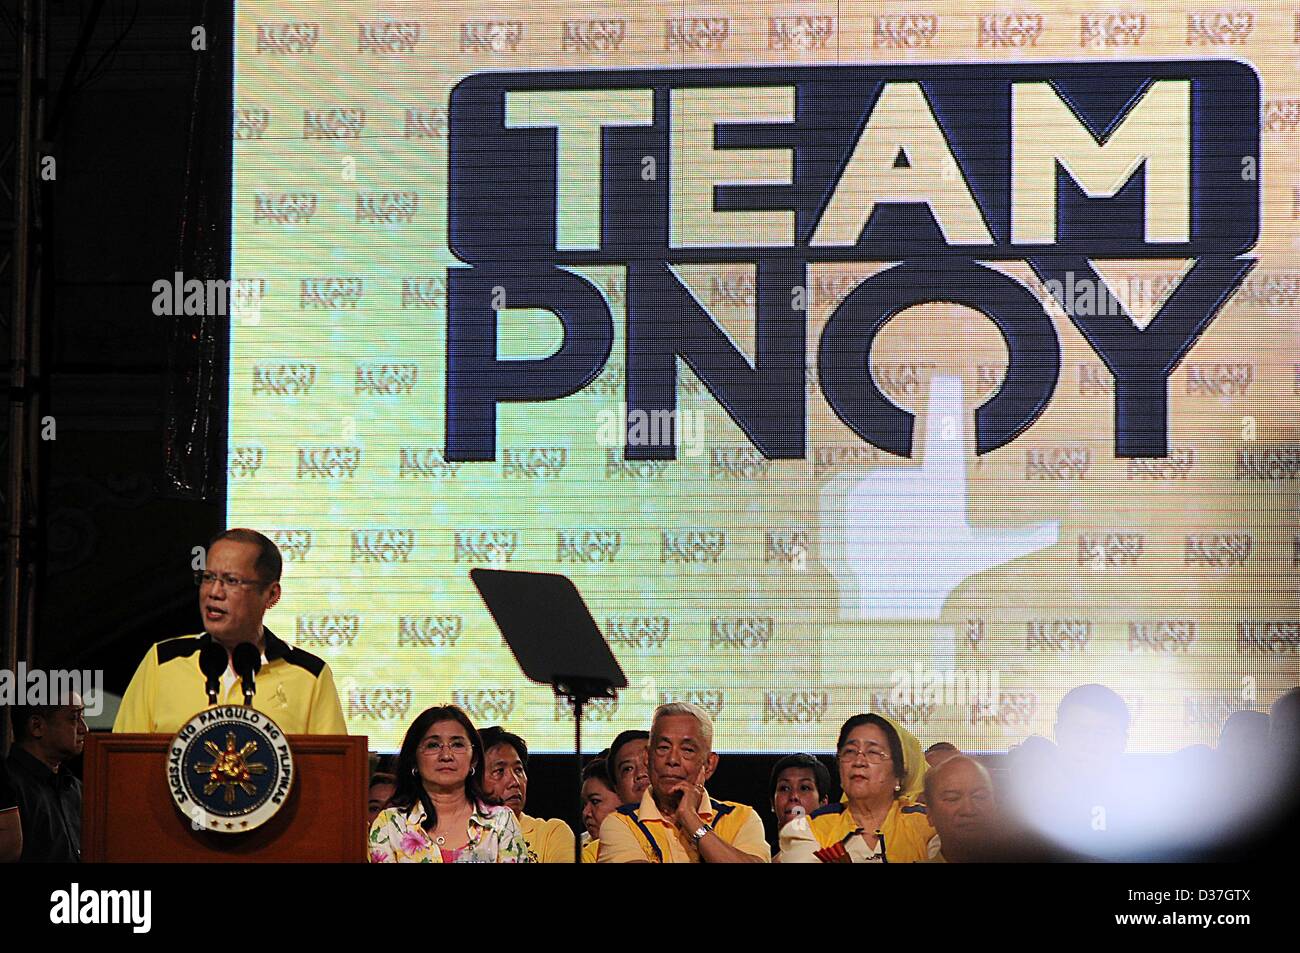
x=554 y=639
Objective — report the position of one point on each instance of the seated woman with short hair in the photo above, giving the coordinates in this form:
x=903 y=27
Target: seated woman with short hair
x=799 y=785
x=599 y=800
x=879 y=821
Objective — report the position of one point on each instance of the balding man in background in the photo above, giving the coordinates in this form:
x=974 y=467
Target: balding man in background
x=961 y=805
x=940 y=752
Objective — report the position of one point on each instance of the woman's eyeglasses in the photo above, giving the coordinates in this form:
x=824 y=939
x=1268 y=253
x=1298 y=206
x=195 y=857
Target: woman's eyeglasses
x=872 y=755
x=455 y=746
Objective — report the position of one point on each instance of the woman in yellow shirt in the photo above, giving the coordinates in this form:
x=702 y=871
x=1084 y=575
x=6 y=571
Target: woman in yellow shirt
x=879 y=820
x=599 y=800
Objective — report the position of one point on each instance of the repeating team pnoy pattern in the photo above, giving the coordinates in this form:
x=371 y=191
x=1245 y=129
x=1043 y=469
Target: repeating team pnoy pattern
x=780 y=593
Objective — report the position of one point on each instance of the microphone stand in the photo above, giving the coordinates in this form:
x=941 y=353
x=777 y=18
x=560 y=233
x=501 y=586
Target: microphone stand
x=247 y=661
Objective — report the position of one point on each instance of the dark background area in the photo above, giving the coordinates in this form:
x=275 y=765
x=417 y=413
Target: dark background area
x=114 y=546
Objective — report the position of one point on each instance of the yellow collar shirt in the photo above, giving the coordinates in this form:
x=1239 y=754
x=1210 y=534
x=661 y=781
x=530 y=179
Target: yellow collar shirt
x=642 y=834
x=549 y=841
x=294 y=688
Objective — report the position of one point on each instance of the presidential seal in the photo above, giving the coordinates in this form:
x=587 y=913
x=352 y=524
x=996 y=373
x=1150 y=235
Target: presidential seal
x=229 y=769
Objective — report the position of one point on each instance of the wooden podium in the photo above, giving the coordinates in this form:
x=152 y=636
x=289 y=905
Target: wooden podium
x=128 y=814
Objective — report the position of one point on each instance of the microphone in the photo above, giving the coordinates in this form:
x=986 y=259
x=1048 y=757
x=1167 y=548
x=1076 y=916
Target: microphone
x=212 y=663
x=247 y=660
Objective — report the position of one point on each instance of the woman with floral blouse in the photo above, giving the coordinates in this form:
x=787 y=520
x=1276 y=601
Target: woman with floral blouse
x=438 y=815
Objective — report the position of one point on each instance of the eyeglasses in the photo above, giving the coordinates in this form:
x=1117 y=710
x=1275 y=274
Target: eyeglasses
x=873 y=755
x=228 y=580
x=456 y=746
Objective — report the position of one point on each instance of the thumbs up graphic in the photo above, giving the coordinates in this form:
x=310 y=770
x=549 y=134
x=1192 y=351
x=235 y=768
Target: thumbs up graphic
x=897 y=540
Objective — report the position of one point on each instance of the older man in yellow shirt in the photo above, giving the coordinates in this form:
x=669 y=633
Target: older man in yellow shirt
x=677 y=822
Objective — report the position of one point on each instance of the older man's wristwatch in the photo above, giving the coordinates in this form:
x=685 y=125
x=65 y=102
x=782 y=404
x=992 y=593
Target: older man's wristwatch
x=699 y=834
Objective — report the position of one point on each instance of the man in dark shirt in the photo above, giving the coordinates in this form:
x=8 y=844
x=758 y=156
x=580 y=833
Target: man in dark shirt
x=48 y=796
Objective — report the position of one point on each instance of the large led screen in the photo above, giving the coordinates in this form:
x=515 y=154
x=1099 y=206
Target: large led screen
x=929 y=358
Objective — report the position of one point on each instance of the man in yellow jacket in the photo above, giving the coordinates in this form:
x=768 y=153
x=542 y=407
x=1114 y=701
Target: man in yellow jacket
x=240 y=582
x=677 y=822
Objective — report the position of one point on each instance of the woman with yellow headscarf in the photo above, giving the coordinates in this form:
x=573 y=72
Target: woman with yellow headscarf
x=879 y=820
